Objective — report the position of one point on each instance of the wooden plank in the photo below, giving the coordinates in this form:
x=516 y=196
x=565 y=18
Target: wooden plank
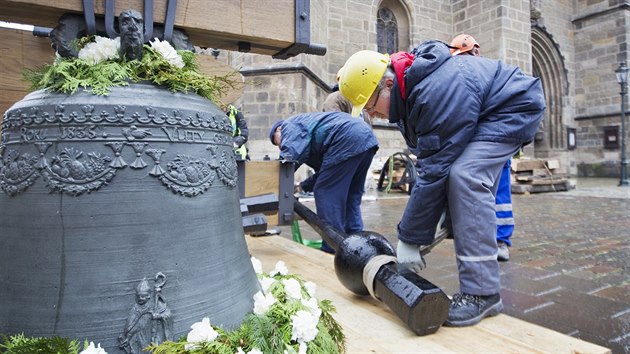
x=19 y=50
x=269 y=25
x=370 y=327
x=8 y=99
x=540 y=180
x=521 y=188
x=525 y=165
x=548 y=180
x=262 y=177
x=552 y=164
x=540 y=172
x=212 y=67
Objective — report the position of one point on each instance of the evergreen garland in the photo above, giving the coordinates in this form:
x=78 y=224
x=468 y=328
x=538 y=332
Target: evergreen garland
x=68 y=75
x=269 y=333
x=19 y=344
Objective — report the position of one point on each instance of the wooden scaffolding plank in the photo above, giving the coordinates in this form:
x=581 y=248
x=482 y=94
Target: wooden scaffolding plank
x=370 y=327
x=216 y=24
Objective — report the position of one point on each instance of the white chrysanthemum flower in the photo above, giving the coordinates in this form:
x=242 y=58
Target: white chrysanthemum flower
x=255 y=351
x=100 y=50
x=310 y=288
x=239 y=350
x=304 y=326
x=292 y=288
x=312 y=305
x=167 y=52
x=201 y=332
x=257 y=265
x=91 y=349
x=262 y=302
x=281 y=269
x=303 y=348
x=265 y=283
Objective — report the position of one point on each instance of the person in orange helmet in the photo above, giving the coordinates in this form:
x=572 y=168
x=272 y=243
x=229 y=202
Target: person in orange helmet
x=465 y=44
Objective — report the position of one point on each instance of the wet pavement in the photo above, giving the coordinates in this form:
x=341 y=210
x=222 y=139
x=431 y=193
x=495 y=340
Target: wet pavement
x=570 y=260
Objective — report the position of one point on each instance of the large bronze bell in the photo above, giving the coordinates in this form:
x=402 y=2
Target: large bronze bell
x=119 y=218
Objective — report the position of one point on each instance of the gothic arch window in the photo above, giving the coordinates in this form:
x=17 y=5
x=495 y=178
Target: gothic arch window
x=386 y=31
x=548 y=65
x=392 y=26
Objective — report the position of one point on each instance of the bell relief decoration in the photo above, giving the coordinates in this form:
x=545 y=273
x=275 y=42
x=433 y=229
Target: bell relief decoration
x=149 y=319
x=75 y=170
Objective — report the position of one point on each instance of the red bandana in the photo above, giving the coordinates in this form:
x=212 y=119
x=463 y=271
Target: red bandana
x=401 y=61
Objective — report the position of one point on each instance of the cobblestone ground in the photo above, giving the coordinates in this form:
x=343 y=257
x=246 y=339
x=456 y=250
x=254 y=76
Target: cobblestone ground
x=570 y=260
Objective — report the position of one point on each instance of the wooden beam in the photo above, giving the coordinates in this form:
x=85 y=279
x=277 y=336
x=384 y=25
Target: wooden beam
x=262 y=177
x=20 y=50
x=268 y=25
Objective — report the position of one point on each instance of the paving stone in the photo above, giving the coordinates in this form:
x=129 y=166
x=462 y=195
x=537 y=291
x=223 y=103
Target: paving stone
x=616 y=293
x=572 y=317
x=528 y=272
x=526 y=286
x=598 y=307
x=516 y=303
x=576 y=284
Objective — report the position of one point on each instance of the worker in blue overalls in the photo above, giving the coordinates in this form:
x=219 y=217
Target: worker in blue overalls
x=340 y=149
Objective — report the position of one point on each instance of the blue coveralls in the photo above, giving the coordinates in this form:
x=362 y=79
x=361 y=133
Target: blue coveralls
x=464 y=117
x=340 y=149
x=505 y=216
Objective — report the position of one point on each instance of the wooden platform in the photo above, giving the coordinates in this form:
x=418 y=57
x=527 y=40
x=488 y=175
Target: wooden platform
x=370 y=327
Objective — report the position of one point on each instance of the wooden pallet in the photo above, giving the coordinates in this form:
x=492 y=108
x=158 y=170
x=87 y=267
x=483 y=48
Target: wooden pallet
x=538 y=176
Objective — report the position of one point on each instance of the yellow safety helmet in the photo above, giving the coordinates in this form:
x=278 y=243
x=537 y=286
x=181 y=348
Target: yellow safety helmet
x=359 y=77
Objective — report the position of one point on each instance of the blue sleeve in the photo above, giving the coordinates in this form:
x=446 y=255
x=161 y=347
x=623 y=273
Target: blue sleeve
x=295 y=143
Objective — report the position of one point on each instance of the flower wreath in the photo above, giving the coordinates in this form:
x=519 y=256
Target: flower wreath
x=99 y=67
x=287 y=318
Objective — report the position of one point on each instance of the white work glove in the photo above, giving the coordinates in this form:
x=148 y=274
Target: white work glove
x=409 y=257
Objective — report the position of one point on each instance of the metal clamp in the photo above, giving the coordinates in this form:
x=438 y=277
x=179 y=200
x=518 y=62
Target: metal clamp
x=302 y=34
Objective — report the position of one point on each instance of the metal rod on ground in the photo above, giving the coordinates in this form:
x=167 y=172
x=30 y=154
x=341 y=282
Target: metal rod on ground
x=332 y=236
x=421 y=305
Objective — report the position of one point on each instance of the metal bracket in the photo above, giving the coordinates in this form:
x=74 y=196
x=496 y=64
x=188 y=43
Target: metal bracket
x=169 y=21
x=286 y=198
x=302 y=34
x=90 y=18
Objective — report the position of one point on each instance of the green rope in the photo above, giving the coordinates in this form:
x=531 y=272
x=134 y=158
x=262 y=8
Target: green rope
x=297 y=236
x=390 y=174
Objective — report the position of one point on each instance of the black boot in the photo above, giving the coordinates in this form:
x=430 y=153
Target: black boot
x=467 y=310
